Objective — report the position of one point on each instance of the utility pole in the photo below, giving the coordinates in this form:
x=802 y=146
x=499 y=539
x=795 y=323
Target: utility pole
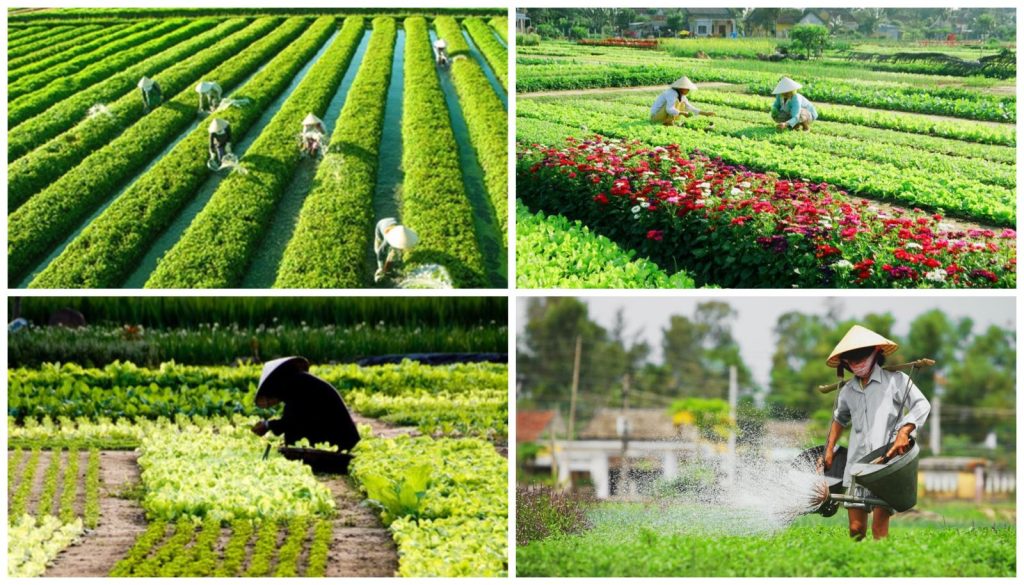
x=575 y=389
x=730 y=466
x=624 y=431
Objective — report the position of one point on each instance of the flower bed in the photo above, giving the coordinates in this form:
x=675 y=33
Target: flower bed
x=733 y=227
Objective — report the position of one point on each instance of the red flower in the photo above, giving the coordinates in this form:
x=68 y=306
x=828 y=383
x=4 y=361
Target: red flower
x=656 y=235
x=740 y=220
x=601 y=198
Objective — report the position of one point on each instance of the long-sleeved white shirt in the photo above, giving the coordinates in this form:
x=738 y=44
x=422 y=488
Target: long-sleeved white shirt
x=874 y=408
x=668 y=100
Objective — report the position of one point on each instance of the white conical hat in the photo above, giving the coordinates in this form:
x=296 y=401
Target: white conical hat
x=218 y=125
x=684 y=83
x=401 y=237
x=440 y=43
x=857 y=338
x=145 y=83
x=292 y=363
x=311 y=119
x=786 y=84
x=205 y=86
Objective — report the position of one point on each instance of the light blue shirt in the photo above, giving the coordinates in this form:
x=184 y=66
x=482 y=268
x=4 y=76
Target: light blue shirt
x=793 y=107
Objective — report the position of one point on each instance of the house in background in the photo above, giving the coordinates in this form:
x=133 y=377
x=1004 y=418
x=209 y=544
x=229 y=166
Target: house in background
x=710 y=22
x=890 y=31
x=522 y=23
x=539 y=426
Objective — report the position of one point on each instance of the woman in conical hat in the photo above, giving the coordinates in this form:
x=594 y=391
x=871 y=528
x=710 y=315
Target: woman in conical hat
x=672 y=103
x=313 y=409
x=791 y=109
x=209 y=95
x=151 y=94
x=220 y=140
x=870 y=403
x=389 y=240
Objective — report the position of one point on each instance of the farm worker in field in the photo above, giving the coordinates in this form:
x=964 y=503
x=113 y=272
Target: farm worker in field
x=151 y=94
x=870 y=403
x=389 y=240
x=209 y=95
x=220 y=140
x=313 y=135
x=313 y=409
x=441 y=52
x=790 y=109
x=672 y=103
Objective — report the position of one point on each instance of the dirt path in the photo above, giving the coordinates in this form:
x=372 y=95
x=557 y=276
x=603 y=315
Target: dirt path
x=121 y=521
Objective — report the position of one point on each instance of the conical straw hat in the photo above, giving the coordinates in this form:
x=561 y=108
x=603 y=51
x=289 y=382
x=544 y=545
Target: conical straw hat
x=218 y=125
x=786 y=84
x=311 y=119
x=293 y=363
x=684 y=83
x=401 y=237
x=145 y=83
x=857 y=338
x=440 y=44
x=205 y=86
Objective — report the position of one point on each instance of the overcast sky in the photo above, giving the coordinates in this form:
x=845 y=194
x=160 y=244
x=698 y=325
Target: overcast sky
x=757 y=316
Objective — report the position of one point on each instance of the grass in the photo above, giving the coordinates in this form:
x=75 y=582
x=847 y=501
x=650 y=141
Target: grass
x=960 y=543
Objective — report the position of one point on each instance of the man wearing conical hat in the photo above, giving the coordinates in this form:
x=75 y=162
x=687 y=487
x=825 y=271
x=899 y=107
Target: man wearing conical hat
x=389 y=240
x=220 y=141
x=151 y=94
x=870 y=404
x=313 y=135
x=209 y=95
x=313 y=409
x=441 y=53
x=790 y=109
x=672 y=103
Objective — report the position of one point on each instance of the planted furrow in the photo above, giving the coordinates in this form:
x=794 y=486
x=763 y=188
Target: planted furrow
x=37 y=169
x=27 y=106
x=55 y=53
x=216 y=248
x=42 y=39
x=485 y=117
x=335 y=225
x=500 y=26
x=141 y=549
x=16 y=35
x=496 y=55
x=47 y=218
x=434 y=201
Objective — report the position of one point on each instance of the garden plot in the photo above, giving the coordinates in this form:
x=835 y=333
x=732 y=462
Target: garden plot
x=106 y=194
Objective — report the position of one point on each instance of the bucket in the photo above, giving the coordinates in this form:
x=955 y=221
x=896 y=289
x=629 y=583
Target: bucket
x=321 y=461
x=894 y=481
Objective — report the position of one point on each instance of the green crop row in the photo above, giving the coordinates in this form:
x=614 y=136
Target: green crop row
x=485 y=117
x=288 y=553
x=500 y=26
x=40 y=167
x=452 y=547
x=140 y=550
x=263 y=551
x=69 y=493
x=55 y=53
x=434 y=201
x=33 y=542
x=974 y=139
x=335 y=226
x=92 y=489
x=27 y=46
x=843 y=141
x=19 y=502
x=215 y=250
x=553 y=252
x=48 y=495
x=471 y=412
x=108 y=248
x=20 y=35
x=61 y=116
x=34 y=94
x=316 y=563
x=883 y=180
x=496 y=55
x=231 y=561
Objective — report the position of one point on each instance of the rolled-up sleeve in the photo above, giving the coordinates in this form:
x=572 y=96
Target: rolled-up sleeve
x=842 y=412
x=690 y=107
x=918 y=408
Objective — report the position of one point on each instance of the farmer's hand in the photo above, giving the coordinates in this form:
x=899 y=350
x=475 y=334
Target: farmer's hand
x=902 y=442
x=261 y=428
x=828 y=459
x=686 y=114
x=781 y=126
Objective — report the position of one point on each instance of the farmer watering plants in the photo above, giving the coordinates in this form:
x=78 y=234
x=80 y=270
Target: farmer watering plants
x=313 y=409
x=790 y=109
x=872 y=403
x=673 y=103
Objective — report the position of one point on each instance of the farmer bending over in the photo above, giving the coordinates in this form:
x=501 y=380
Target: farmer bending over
x=441 y=52
x=389 y=240
x=209 y=95
x=313 y=135
x=313 y=409
x=790 y=109
x=871 y=402
x=672 y=103
x=151 y=95
x=220 y=141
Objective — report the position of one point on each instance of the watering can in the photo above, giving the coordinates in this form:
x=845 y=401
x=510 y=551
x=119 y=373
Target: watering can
x=892 y=481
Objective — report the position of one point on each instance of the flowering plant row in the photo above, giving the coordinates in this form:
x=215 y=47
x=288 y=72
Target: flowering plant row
x=734 y=227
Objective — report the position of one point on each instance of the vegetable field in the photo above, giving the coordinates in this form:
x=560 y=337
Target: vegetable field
x=905 y=180
x=105 y=193
x=133 y=471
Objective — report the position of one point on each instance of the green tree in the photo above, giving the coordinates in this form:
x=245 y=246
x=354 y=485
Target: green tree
x=933 y=335
x=811 y=38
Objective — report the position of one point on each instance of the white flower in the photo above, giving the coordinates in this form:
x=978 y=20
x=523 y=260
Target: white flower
x=745 y=184
x=735 y=191
x=635 y=209
x=645 y=204
x=913 y=245
x=705 y=185
x=937 y=275
x=845 y=264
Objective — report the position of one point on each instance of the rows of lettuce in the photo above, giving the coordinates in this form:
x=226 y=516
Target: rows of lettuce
x=456 y=400
x=729 y=226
